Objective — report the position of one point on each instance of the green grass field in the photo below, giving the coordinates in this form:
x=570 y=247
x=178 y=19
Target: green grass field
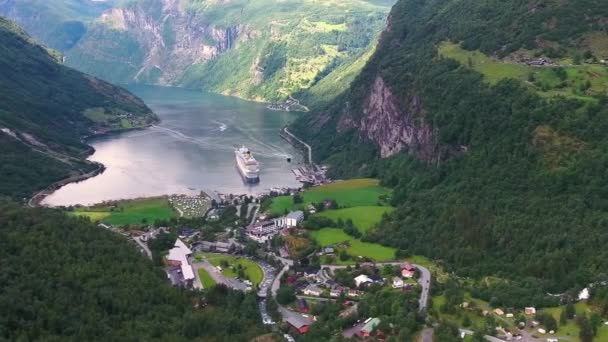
x=571 y=329
x=364 y=217
x=94 y=216
x=206 y=279
x=545 y=79
x=252 y=270
x=129 y=211
x=333 y=236
x=349 y=193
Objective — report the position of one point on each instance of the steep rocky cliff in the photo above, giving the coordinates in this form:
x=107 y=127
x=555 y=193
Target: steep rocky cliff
x=262 y=50
x=165 y=43
x=394 y=125
x=488 y=118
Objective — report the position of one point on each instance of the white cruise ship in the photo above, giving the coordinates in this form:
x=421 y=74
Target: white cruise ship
x=247 y=165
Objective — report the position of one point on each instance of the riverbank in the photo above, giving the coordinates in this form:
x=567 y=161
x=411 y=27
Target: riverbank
x=38 y=197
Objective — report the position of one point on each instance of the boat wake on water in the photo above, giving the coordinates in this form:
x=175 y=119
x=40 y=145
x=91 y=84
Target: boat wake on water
x=261 y=148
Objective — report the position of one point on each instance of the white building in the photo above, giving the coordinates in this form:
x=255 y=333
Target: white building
x=262 y=231
x=179 y=254
x=398 y=283
x=362 y=279
x=312 y=290
x=293 y=219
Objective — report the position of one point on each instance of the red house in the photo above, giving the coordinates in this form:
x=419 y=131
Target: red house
x=407 y=270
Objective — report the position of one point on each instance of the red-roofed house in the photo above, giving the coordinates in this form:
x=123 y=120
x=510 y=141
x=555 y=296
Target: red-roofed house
x=407 y=270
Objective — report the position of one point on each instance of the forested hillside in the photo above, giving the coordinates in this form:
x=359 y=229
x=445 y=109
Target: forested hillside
x=489 y=119
x=64 y=279
x=59 y=24
x=45 y=111
x=261 y=49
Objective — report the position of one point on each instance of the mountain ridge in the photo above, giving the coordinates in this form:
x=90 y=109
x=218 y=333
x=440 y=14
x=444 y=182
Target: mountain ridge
x=490 y=136
x=47 y=109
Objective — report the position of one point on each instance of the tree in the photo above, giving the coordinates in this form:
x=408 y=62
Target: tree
x=466 y=321
x=286 y=295
x=297 y=199
x=570 y=310
x=563 y=317
x=446 y=332
x=586 y=330
x=344 y=255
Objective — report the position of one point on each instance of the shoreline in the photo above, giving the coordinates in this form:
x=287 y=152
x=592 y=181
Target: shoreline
x=38 y=197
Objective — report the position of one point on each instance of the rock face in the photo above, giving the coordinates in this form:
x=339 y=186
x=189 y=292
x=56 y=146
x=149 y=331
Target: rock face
x=165 y=41
x=394 y=126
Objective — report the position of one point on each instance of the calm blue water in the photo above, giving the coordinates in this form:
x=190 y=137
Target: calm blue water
x=190 y=150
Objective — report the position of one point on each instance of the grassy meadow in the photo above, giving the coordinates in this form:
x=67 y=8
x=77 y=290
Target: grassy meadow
x=335 y=236
x=126 y=212
x=206 y=279
x=348 y=193
x=252 y=270
x=364 y=217
x=578 y=81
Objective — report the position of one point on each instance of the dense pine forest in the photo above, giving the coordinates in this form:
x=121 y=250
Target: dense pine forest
x=51 y=262
x=515 y=186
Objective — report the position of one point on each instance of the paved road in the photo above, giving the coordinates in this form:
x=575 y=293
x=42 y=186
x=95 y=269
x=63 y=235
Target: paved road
x=267 y=281
x=424 y=280
x=427 y=335
x=143 y=246
x=255 y=215
x=303 y=143
x=277 y=281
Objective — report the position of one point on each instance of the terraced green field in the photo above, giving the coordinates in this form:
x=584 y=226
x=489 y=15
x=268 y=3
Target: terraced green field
x=580 y=81
x=364 y=217
x=333 y=236
x=348 y=193
x=126 y=212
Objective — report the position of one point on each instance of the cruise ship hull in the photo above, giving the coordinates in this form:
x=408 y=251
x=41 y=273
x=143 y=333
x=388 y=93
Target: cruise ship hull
x=250 y=179
x=247 y=166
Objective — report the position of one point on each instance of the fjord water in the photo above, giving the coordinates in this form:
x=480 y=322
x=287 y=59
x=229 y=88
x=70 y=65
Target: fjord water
x=190 y=150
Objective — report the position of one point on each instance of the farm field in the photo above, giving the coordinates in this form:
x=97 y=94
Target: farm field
x=364 y=217
x=252 y=271
x=206 y=279
x=126 y=212
x=333 y=236
x=348 y=193
x=578 y=81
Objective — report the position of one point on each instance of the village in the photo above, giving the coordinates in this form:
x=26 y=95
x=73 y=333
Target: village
x=277 y=245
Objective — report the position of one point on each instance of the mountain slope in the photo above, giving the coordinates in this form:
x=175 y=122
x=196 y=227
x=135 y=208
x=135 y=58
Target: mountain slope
x=45 y=110
x=65 y=279
x=260 y=49
x=487 y=117
x=57 y=23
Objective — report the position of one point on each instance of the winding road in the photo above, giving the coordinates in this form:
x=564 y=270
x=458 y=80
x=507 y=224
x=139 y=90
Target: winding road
x=301 y=142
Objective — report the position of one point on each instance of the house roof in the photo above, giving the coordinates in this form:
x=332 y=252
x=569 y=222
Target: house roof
x=180 y=253
x=362 y=279
x=408 y=266
x=312 y=288
x=295 y=214
x=298 y=321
